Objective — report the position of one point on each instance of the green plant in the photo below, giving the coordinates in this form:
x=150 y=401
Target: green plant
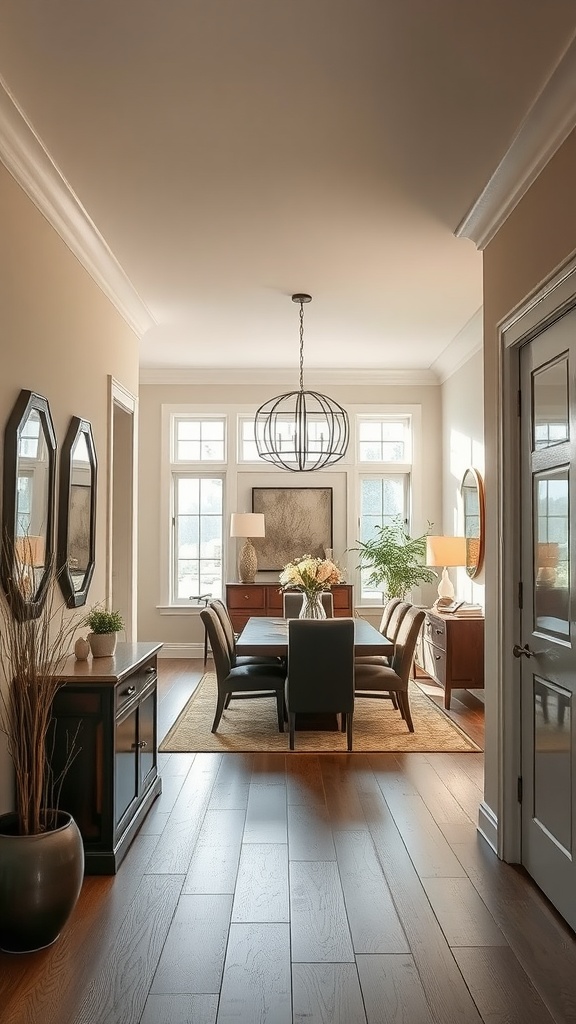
x=395 y=558
x=100 y=620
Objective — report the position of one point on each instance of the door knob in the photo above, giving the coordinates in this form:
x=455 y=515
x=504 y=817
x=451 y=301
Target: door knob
x=525 y=651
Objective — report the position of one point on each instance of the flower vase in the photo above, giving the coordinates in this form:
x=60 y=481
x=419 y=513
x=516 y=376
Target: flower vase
x=312 y=607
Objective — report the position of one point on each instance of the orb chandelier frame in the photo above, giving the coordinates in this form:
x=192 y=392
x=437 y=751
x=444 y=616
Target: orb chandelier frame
x=319 y=426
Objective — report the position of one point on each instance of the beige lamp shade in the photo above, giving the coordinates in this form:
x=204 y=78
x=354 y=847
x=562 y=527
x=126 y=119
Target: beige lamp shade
x=445 y=551
x=247 y=524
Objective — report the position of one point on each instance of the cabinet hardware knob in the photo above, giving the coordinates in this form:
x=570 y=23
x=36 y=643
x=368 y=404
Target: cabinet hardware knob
x=151 y=669
x=437 y=656
x=128 y=692
x=439 y=632
x=140 y=745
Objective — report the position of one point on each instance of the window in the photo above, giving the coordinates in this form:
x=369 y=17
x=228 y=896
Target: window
x=383 y=439
x=198 y=524
x=382 y=500
x=199 y=440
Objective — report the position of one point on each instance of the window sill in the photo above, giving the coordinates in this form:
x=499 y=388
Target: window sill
x=179 y=609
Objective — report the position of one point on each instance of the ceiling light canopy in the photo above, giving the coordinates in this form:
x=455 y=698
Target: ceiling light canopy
x=301 y=430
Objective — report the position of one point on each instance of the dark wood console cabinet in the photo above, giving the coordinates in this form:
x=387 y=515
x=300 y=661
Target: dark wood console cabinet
x=246 y=599
x=450 y=650
x=109 y=705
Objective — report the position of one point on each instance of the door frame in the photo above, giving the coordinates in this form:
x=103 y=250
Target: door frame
x=535 y=314
x=120 y=397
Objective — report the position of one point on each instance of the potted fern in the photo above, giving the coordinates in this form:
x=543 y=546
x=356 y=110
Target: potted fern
x=395 y=559
x=105 y=626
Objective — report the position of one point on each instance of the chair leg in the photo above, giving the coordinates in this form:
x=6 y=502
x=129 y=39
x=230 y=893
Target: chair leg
x=343 y=721
x=227 y=701
x=219 y=710
x=292 y=723
x=349 y=718
x=405 y=706
x=280 y=709
x=394 y=700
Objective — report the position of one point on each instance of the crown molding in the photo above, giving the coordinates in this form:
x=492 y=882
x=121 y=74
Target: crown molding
x=466 y=344
x=286 y=378
x=545 y=127
x=26 y=159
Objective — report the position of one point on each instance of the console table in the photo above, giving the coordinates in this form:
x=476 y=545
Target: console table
x=108 y=707
x=245 y=600
x=450 y=650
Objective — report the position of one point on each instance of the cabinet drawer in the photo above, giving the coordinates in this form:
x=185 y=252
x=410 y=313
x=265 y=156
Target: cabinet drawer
x=250 y=597
x=342 y=600
x=131 y=688
x=275 y=601
x=433 y=661
x=435 y=631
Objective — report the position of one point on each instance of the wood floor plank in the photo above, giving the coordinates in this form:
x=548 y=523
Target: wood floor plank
x=269 y=768
x=342 y=800
x=176 y=844
x=193 y=955
x=177 y=764
x=155 y=822
x=256 y=987
x=117 y=994
x=445 y=991
x=374 y=923
x=463 y=916
x=466 y=790
x=429 y=785
x=214 y=862
x=266 y=819
x=392 y=991
x=262 y=886
x=327 y=994
x=500 y=988
x=180 y=1010
x=309 y=833
x=319 y=925
x=304 y=783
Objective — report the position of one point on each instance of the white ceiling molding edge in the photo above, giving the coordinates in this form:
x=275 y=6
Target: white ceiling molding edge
x=29 y=163
x=545 y=127
x=318 y=378
x=466 y=344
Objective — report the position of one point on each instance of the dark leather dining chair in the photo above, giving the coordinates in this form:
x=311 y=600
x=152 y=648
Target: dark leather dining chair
x=241 y=681
x=320 y=675
x=292 y=603
x=237 y=659
x=381 y=680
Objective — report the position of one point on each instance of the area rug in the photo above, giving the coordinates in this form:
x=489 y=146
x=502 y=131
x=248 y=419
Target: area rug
x=251 y=725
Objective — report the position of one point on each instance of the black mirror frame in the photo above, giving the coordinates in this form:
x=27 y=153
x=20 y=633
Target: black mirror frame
x=474 y=571
x=27 y=400
x=75 y=598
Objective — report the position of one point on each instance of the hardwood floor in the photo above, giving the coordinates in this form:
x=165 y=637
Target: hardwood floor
x=326 y=889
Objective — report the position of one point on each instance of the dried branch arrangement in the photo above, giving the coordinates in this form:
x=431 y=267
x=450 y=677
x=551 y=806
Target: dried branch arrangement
x=33 y=652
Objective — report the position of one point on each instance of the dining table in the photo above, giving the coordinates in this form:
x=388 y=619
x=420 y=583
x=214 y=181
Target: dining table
x=269 y=636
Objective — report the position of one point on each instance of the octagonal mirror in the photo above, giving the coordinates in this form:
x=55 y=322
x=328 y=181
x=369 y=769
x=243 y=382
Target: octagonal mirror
x=77 y=512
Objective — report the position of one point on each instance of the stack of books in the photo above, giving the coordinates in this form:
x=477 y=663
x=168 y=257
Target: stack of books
x=470 y=610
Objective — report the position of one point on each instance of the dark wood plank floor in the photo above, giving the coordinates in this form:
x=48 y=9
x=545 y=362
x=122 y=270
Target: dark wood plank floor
x=280 y=888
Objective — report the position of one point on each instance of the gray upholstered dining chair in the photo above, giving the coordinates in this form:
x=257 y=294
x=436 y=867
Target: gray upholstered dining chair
x=392 y=618
x=292 y=603
x=241 y=681
x=381 y=680
x=320 y=675
x=226 y=622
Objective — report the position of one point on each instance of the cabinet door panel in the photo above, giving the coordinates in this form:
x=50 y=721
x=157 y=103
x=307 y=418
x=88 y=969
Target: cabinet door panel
x=147 y=741
x=126 y=761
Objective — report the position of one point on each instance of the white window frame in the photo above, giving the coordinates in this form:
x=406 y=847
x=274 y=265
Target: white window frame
x=405 y=418
x=191 y=474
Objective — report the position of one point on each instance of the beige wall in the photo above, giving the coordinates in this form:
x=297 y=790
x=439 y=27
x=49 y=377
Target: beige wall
x=184 y=629
x=60 y=337
x=538 y=237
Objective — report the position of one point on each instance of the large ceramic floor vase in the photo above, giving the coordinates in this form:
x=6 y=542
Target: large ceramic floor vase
x=40 y=881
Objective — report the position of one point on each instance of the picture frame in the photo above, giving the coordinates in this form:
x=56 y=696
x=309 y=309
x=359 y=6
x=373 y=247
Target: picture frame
x=298 y=521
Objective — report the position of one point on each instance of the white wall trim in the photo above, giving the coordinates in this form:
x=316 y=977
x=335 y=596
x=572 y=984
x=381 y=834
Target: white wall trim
x=182 y=651
x=25 y=157
x=545 y=127
x=488 y=825
x=279 y=377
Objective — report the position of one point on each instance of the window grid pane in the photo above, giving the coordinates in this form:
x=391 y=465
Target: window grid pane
x=199 y=440
x=382 y=500
x=383 y=440
x=198 y=521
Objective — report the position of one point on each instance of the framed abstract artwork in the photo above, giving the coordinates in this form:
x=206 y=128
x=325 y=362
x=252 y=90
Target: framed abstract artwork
x=298 y=521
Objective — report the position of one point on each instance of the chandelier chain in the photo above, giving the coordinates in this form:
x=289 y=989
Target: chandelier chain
x=301 y=346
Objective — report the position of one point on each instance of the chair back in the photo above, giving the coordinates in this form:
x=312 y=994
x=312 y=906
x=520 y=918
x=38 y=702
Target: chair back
x=405 y=643
x=225 y=621
x=388 y=609
x=320 y=665
x=292 y=603
x=396 y=619
x=218 y=643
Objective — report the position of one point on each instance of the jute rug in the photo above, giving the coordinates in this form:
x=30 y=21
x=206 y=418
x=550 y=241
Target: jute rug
x=251 y=725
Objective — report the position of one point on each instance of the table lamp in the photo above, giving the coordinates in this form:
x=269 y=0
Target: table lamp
x=247 y=525
x=445 y=551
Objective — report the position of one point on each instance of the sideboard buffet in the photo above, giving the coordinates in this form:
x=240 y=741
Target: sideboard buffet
x=450 y=650
x=106 y=715
x=247 y=599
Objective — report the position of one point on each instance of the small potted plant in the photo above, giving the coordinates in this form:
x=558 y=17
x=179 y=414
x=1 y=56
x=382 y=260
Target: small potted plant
x=105 y=626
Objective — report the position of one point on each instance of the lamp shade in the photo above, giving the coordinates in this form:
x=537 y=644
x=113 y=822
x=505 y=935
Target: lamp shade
x=445 y=551
x=247 y=524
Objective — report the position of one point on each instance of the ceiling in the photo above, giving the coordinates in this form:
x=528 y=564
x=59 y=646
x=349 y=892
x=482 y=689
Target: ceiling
x=232 y=152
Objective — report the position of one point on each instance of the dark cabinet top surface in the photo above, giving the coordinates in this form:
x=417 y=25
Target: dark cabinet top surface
x=128 y=659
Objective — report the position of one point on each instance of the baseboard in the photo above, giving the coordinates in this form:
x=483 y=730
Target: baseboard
x=488 y=825
x=182 y=651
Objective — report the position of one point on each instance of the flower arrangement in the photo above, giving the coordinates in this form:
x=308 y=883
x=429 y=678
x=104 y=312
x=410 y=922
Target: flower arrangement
x=310 y=575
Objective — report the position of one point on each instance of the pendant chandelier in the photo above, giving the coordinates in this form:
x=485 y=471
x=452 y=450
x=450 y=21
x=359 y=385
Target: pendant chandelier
x=301 y=430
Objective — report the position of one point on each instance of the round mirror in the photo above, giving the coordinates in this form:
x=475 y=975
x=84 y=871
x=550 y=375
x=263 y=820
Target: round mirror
x=472 y=491
x=28 y=504
x=77 y=521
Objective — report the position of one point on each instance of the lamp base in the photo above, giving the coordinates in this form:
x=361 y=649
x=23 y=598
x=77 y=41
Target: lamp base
x=441 y=604
x=247 y=562
x=445 y=591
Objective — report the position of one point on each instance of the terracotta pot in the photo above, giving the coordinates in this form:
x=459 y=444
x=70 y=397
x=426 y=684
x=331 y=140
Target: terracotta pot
x=40 y=881
x=102 y=645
